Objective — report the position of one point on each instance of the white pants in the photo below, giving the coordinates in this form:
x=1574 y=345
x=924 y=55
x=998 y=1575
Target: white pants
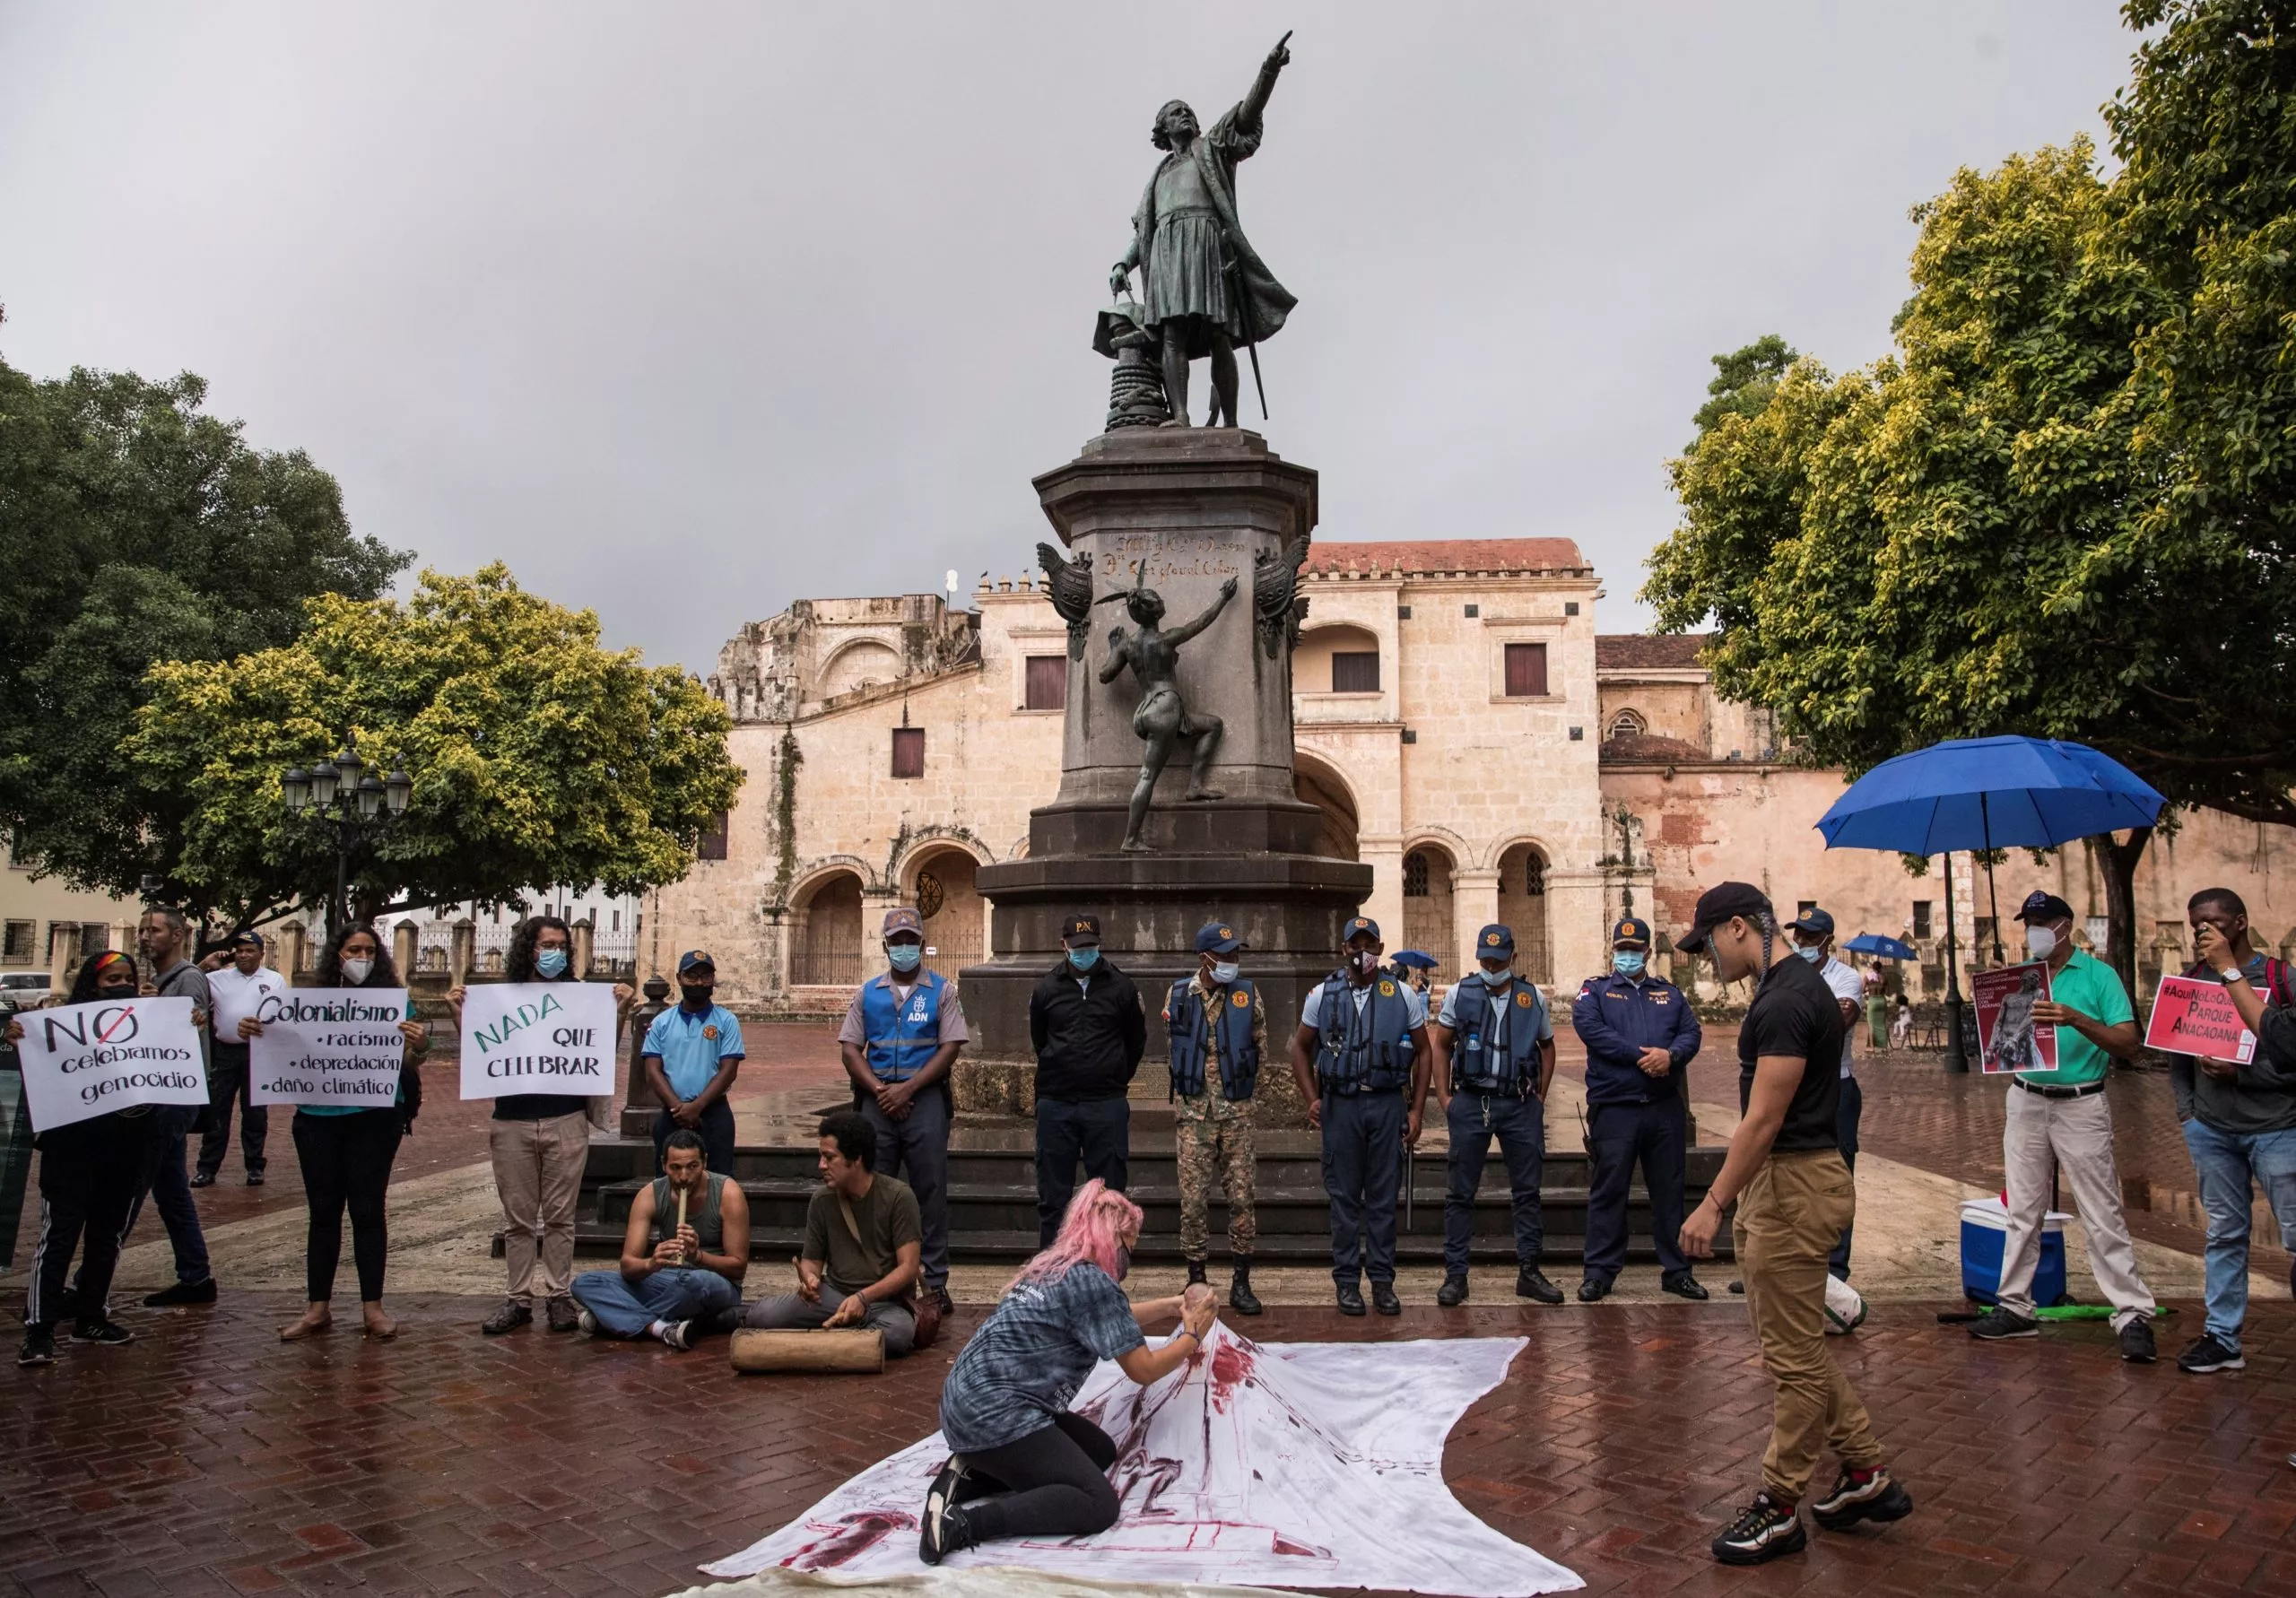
x=2080 y=1132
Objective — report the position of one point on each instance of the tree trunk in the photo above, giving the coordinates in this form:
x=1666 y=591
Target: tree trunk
x=2120 y=901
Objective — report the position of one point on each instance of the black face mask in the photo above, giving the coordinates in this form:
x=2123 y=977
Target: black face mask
x=697 y=996
x=1123 y=1261
x=128 y=991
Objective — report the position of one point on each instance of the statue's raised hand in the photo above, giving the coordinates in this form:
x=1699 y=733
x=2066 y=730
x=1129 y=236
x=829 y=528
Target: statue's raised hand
x=1228 y=588
x=1279 y=58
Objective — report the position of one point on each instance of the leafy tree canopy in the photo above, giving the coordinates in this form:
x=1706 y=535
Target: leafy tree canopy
x=1744 y=381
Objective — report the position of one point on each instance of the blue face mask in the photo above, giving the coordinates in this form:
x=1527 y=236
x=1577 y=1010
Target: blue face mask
x=1225 y=971
x=1627 y=963
x=1084 y=959
x=550 y=963
x=905 y=956
x=1814 y=956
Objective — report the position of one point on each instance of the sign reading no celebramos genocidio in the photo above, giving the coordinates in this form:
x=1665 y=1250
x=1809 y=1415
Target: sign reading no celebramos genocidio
x=2008 y=1038
x=329 y=1047
x=538 y=1037
x=86 y=1060
x=2191 y=1016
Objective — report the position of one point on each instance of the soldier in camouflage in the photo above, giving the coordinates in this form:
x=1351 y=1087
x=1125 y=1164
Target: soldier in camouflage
x=1219 y=1035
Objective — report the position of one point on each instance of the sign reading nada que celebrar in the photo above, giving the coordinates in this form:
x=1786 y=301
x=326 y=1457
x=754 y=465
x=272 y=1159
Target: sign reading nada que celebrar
x=538 y=1037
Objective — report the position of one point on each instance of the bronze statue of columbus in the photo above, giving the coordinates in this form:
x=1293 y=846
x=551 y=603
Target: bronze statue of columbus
x=1205 y=290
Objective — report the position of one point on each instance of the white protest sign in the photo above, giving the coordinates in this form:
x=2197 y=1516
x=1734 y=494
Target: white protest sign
x=329 y=1048
x=538 y=1037
x=86 y=1060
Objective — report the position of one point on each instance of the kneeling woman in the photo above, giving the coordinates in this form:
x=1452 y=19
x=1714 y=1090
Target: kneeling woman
x=1022 y=1465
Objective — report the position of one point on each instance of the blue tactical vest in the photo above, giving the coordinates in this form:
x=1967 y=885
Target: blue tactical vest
x=899 y=1044
x=1192 y=1037
x=1366 y=1053
x=1482 y=1062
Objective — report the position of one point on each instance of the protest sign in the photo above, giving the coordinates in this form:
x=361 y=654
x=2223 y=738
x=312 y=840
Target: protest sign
x=2007 y=1037
x=329 y=1048
x=2193 y=1016
x=84 y=1060
x=538 y=1037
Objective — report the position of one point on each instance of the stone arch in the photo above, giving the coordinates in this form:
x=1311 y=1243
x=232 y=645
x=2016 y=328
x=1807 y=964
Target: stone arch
x=1629 y=723
x=825 y=944
x=1315 y=781
x=1430 y=876
x=1523 y=868
x=857 y=663
x=955 y=916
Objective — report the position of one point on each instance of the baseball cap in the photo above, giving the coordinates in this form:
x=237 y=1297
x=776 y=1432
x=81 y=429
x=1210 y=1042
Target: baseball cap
x=1215 y=937
x=1816 y=921
x=1496 y=938
x=2044 y=907
x=901 y=919
x=1081 y=929
x=695 y=960
x=1718 y=904
x=246 y=936
x=1360 y=926
x=1631 y=929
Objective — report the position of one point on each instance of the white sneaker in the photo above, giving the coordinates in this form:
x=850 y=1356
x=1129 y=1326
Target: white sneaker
x=589 y=1322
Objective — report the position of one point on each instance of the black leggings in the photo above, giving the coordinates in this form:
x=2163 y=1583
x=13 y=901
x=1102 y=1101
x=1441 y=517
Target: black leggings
x=90 y=1173
x=346 y=1162
x=1053 y=1482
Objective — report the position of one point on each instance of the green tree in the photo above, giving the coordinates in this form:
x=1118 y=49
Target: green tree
x=539 y=757
x=135 y=528
x=1744 y=381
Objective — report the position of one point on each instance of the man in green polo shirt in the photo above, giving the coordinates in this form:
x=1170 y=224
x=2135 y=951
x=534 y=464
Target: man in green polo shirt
x=2062 y=1114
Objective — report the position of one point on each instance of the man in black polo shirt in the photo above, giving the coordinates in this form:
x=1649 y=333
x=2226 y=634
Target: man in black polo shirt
x=1794 y=1193
x=1089 y=1031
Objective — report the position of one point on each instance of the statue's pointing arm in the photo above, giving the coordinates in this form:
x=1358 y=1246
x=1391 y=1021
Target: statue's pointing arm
x=1255 y=98
x=1180 y=635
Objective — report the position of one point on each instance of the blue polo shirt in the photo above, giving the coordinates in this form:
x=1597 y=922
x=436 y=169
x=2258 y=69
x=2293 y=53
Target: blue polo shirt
x=692 y=1047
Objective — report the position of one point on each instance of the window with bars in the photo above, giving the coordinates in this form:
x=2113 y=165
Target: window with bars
x=1414 y=875
x=94 y=939
x=1526 y=670
x=1921 y=913
x=1535 y=877
x=20 y=944
x=1355 y=671
x=712 y=845
x=1046 y=682
x=909 y=752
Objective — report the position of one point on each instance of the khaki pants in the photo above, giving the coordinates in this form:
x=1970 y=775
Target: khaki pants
x=2080 y=1131
x=1789 y=1217
x=538 y=1174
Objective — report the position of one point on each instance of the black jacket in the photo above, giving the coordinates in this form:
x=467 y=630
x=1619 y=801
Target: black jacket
x=1089 y=1038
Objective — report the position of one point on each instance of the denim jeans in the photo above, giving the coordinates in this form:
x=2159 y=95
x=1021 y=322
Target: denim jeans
x=917 y=1150
x=167 y=1185
x=625 y=1309
x=2226 y=1163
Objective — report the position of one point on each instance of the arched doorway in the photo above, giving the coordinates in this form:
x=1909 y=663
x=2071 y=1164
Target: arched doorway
x=1317 y=783
x=1427 y=917
x=826 y=949
x=1522 y=905
x=941 y=887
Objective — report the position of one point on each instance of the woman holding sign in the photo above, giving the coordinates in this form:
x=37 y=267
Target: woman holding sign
x=346 y=1153
x=539 y=1143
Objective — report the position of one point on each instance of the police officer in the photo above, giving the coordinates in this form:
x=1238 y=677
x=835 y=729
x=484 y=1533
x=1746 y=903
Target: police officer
x=1360 y=1059
x=1219 y=1035
x=690 y=1056
x=899 y=1042
x=1640 y=1036
x=1494 y=1057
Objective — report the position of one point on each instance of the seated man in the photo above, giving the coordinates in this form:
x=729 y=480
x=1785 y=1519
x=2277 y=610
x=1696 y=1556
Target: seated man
x=674 y=1275
x=864 y=1243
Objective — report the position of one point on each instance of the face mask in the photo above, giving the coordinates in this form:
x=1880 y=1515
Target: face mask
x=551 y=963
x=1084 y=959
x=1366 y=960
x=356 y=971
x=905 y=956
x=1812 y=955
x=1123 y=1261
x=125 y=990
x=1225 y=971
x=2040 y=942
x=1627 y=963
x=1497 y=973
x=696 y=997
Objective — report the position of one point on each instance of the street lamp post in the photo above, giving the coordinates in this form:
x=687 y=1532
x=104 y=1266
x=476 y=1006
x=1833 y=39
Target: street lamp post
x=343 y=796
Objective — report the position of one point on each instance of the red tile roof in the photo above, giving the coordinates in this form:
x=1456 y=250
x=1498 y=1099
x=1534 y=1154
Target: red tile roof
x=1415 y=555
x=1673 y=651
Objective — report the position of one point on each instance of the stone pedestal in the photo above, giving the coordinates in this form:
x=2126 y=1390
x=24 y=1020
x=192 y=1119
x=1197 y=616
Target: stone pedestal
x=1197 y=506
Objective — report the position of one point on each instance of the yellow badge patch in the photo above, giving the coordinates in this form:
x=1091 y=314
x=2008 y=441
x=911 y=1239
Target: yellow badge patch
x=1492 y=939
x=710 y=1032
x=1523 y=1000
x=1386 y=990
x=1240 y=1001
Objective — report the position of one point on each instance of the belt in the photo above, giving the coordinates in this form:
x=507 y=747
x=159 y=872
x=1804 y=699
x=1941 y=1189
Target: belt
x=2082 y=1091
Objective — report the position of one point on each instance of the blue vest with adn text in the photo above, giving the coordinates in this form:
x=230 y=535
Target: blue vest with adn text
x=903 y=1034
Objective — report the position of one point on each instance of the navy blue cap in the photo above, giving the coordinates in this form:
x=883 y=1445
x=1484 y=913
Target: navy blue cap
x=1814 y=921
x=1217 y=937
x=2044 y=907
x=1722 y=902
x=1495 y=938
x=692 y=958
x=1360 y=926
x=1631 y=929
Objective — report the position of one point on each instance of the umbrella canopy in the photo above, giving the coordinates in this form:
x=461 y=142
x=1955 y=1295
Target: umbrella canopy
x=1876 y=943
x=1989 y=794
x=1418 y=960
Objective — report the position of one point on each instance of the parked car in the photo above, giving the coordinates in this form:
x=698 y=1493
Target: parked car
x=22 y=990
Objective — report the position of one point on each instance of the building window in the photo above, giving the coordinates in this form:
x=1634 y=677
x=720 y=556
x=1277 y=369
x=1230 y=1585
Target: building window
x=1921 y=910
x=1627 y=723
x=17 y=949
x=617 y=921
x=1533 y=876
x=908 y=751
x=712 y=844
x=1526 y=671
x=1414 y=875
x=1355 y=671
x=1046 y=685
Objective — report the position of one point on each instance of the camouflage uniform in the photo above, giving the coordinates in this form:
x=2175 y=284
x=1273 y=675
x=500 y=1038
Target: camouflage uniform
x=1215 y=1142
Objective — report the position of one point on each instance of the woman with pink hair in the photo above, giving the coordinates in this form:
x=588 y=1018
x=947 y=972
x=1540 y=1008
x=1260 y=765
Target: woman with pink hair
x=1020 y=1465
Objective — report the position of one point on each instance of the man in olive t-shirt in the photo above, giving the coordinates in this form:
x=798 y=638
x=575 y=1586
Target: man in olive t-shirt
x=864 y=1245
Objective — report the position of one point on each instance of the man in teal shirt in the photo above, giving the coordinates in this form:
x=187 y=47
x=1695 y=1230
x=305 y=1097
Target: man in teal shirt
x=691 y=1055
x=2062 y=1115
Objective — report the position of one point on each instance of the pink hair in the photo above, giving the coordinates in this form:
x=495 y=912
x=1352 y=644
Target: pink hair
x=1091 y=1233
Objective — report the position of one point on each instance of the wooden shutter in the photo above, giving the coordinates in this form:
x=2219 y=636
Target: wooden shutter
x=1355 y=671
x=712 y=845
x=1526 y=670
x=1047 y=682
x=908 y=751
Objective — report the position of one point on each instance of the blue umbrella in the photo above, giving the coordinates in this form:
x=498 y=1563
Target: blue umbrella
x=1989 y=794
x=1876 y=943
x=1416 y=958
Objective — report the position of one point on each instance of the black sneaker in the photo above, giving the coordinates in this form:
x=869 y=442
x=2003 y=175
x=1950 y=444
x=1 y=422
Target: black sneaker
x=1867 y=1495
x=1767 y=1529
x=1684 y=1285
x=2136 y=1344
x=2000 y=1326
x=1384 y=1300
x=183 y=1292
x=1350 y=1299
x=203 y=1178
x=678 y=1335
x=255 y=1178
x=2207 y=1357
x=39 y=1346
x=563 y=1316
x=1594 y=1287
x=1531 y=1282
x=103 y=1334
x=1453 y=1292
x=1738 y=1286
x=512 y=1316
x=941 y=1529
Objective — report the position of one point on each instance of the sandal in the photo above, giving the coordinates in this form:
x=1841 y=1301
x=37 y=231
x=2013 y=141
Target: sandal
x=299 y=1330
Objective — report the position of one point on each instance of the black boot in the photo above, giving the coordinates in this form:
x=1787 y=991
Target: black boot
x=1196 y=1273
x=1453 y=1290
x=1241 y=1297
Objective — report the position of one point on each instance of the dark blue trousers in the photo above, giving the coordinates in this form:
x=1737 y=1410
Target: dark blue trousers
x=917 y=1150
x=1363 y=1174
x=1853 y=1106
x=1619 y=1136
x=1096 y=1130
x=1519 y=1123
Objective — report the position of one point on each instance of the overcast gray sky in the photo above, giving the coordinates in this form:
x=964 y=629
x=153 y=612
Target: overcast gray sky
x=689 y=310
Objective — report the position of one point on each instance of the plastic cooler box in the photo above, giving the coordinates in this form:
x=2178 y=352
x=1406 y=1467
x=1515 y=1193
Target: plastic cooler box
x=1985 y=1232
